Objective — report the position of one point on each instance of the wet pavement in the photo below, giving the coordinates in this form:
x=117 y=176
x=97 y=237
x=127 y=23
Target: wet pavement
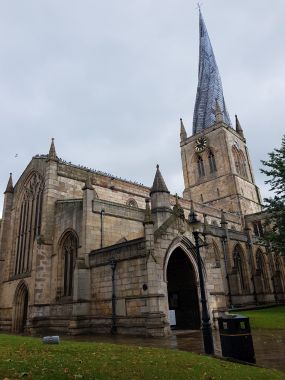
x=269 y=345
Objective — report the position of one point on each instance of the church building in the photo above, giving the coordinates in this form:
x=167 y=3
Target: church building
x=82 y=251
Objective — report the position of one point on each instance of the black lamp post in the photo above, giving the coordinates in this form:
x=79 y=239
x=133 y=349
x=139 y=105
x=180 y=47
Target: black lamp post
x=206 y=324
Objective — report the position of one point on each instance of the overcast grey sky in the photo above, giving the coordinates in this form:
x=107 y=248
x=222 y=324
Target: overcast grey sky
x=110 y=80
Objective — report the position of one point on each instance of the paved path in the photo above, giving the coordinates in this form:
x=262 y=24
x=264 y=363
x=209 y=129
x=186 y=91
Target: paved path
x=269 y=345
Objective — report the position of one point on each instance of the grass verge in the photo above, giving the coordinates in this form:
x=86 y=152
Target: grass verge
x=271 y=318
x=28 y=358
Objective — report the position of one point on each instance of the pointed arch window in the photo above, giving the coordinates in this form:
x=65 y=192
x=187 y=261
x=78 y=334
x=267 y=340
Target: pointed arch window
x=212 y=162
x=200 y=165
x=240 y=162
x=277 y=276
x=243 y=165
x=239 y=265
x=261 y=269
x=29 y=222
x=236 y=159
x=216 y=256
x=69 y=253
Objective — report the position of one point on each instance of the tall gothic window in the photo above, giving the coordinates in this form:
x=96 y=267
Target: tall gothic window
x=240 y=267
x=277 y=276
x=236 y=159
x=69 y=251
x=212 y=162
x=261 y=270
x=257 y=228
x=29 y=224
x=201 y=170
x=243 y=165
x=240 y=162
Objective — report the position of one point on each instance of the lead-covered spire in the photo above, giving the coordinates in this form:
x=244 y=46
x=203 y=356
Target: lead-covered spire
x=209 y=90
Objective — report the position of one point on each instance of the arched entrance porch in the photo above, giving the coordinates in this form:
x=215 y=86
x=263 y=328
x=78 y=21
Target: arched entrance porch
x=20 y=310
x=182 y=291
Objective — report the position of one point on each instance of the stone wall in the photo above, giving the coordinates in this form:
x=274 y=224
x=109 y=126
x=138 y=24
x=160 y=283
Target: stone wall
x=224 y=188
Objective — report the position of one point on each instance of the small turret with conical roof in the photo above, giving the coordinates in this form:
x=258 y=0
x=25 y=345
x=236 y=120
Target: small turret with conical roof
x=10 y=187
x=238 y=127
x=183 y=134
x=160 y=199
x=159 y=185
x=52 y=153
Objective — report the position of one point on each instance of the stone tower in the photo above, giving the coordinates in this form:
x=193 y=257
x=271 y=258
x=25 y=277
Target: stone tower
x=216 y=164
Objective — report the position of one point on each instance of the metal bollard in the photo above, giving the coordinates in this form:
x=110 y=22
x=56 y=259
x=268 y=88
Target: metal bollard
x=51 y=339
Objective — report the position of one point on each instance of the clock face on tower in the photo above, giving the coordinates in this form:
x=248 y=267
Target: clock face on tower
x=200 y=144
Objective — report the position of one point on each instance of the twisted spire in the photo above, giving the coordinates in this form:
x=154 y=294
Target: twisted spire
x=209 y=88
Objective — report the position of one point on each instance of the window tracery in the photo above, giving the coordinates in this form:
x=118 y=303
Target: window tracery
x=239 y=265
x=216 y=256
x=132 y=203
x=261 y=269
x=212 y=162
x=240 y=162
x=69 y=254
x=200 y=164
x=29 y=224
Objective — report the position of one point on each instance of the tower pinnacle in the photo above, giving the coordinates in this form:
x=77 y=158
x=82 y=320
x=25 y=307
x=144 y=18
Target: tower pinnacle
x=238 y=127
x=52 y=152
x=183 y=134
x=209 y=90
x=10 y=187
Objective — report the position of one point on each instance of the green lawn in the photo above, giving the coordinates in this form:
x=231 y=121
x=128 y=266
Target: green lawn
x=271 y=318
x=27 y=358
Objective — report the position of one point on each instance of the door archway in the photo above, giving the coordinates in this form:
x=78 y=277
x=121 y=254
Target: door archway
x=182 y=291
x=20 y=312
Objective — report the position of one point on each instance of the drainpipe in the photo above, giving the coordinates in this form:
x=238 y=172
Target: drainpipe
x=113 y=264
x=224 y=240
x=102 y=226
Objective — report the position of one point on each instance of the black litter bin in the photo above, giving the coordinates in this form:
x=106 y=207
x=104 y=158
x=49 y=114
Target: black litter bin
x=236 y=339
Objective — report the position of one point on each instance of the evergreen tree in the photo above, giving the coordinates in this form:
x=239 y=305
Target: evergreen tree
x=275 y=206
